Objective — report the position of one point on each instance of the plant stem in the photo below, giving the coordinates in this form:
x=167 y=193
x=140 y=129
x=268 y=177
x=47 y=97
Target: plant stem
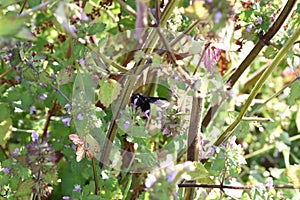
x=95 y=176
x=127 y=8
x=258 y=85
x=195 y=138
x=264 y=40
x=248 y=187
x=129 y=82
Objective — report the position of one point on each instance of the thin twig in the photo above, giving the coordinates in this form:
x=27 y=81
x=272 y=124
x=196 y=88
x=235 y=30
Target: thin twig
x=257 y=119
x=38 y=7
x=62 y=94
x=47 y=123
x=4 y=152
x=23 y=6
x=248 y=187
x=127 y=8
x=6 y=72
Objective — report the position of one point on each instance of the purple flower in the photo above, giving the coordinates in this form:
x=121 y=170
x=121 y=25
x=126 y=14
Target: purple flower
x=17 y=78
x=32 y=110
x=77 y=188
x=259 y=21
x=16 y=151
x=147 y=112
x=126 y=125
x=249 y=28
x=34 y=136
x=292 y=31
x=81 y=61
x=66 y=121
x=5 y=170
x=232 y=141
x=270 y=183
x=68 y=107
x=171 y=175
x=134 y=102
x=218 y=17
x=150 y=180
x=80 y=116
x=66 y=198
x=43 y=96
x=211 y=57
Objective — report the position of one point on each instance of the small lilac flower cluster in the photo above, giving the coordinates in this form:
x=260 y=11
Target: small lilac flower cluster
x=251 y=26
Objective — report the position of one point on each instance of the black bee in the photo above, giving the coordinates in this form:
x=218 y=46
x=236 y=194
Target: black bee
x=143 y=102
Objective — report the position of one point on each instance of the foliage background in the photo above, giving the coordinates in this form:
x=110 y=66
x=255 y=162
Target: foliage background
x=47 y=45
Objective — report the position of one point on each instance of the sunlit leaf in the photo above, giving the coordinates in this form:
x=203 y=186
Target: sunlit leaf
x=10 y=26
x=196 y=10
x=5 y=130
x=109 y=91
x=293 y=172
x=24 y=33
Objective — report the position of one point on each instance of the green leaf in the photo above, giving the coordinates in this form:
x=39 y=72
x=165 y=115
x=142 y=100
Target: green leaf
x=24 y=33
x=27 y=100
x=4 y=110
x=5 y=131
x=33 y=3
x=138 y=131
x=25 y=188
x=294 y=94
x=6 y=3
x=10 y=26
x=66 y=89
x=65 y=76
x=109 y=91
x=44 y=78
x=96 y=28
x=30 y=75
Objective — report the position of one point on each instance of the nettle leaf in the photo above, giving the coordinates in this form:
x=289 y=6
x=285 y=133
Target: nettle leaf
x=138 y=131
x=96 y=28
x=25 y=188
x=293 y=172
x=65 y=75
x=44 y=78
x=109 y=91
x=10 y=26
